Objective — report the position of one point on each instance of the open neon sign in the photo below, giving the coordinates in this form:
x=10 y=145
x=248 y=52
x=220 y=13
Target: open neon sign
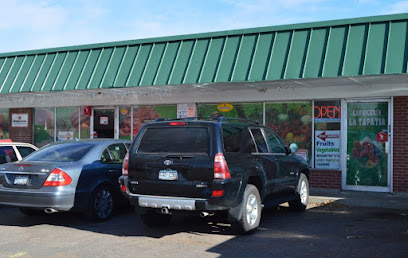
x=327 y=112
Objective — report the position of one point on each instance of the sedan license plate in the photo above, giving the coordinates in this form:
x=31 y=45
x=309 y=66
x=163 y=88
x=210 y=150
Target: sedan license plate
x=168 y=175
x=21 y=180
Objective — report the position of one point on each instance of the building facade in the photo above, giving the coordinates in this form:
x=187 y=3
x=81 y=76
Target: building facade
x=339 y=89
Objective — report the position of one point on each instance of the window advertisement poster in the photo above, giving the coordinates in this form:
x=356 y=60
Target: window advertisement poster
x=327 y=149
x=65 y=135
x=19 y=120
x=4 y=123
x=367 y=162
x=303 y=154
x=186 y=110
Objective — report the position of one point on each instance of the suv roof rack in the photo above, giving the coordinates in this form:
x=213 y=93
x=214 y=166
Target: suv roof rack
x=217 y=118
x=227 y=119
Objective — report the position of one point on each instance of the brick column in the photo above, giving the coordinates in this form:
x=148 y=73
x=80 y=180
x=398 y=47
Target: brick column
x=21 y=134
x=400 y=145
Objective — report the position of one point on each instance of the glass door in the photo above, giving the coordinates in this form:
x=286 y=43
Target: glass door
x=367 y=145
x=104 y=123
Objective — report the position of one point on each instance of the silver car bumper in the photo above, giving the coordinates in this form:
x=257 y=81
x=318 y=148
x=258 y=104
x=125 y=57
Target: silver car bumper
x=37 y=198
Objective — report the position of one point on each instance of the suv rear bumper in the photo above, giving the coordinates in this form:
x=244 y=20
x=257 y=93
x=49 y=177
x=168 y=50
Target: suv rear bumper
x=172 y=203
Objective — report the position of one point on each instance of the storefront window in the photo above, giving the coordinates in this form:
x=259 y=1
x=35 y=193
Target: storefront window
x=146 y=114
x=4 y=123
x=327 y=116
x=292 y=122
x=125 y=122
x=85 y=123
x=67 y=123
x=43 y=126
x=245 y=111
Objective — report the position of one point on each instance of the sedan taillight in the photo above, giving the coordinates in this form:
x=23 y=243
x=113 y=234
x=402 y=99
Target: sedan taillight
x=57 y=178
x=125 y=165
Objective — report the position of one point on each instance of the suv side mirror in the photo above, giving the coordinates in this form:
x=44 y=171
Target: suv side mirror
x=293 y=147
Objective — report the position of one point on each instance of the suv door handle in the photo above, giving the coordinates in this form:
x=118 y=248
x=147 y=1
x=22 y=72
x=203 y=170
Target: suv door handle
x=113 y=170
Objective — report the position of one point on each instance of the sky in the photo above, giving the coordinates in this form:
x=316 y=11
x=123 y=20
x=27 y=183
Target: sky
x=43 y=24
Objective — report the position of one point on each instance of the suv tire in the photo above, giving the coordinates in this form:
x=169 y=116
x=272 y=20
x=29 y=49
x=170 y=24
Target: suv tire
x=251 y=209
x=302 y=190
x=153 y=219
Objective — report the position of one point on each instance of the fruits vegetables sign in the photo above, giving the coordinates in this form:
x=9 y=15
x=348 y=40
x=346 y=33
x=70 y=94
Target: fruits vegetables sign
x=327 y=149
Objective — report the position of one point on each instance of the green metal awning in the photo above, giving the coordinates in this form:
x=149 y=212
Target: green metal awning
x=342 y=48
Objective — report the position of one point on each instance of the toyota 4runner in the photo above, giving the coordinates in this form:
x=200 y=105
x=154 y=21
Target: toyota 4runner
x=231 y=167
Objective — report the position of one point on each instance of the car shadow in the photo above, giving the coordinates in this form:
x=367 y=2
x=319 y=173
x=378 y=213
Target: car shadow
x=125 y=222
x=324 y=230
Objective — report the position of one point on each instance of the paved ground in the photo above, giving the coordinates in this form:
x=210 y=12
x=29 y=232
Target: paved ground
x=326 y=229
x=361 y=199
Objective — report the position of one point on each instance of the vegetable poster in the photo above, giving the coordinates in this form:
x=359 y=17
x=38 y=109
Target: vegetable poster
x=367 y=161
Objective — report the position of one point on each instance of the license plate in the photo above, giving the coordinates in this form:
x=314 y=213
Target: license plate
x=168 y=175
x=21 y=180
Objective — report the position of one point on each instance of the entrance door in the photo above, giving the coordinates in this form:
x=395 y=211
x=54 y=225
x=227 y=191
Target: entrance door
x=104 y=123
x=368 y=146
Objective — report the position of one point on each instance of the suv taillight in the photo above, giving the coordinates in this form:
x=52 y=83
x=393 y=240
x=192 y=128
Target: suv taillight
x=125 y=165
x=221 y=170
x=57 y=177
x=178 y=123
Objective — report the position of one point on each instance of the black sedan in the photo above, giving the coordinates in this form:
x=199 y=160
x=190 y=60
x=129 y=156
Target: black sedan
x=78 y=176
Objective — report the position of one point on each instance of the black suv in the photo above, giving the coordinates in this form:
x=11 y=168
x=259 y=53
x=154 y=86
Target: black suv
x=229 y=167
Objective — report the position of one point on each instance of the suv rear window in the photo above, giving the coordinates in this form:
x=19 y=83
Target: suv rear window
x=175 y=140
x=232 y=136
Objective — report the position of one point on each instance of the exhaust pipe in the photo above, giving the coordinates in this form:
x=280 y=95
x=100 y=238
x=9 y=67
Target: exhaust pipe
x=165 y=210
x=50 y=210
x=204 y=214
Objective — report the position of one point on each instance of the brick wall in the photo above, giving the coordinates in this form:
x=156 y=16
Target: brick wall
x=400 y=144
x=330 y=179
x=21 y=134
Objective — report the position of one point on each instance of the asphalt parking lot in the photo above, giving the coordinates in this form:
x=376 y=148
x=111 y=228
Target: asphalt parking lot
x=324 y=230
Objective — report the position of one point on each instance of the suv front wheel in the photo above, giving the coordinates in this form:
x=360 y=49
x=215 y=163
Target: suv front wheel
x=251 y=209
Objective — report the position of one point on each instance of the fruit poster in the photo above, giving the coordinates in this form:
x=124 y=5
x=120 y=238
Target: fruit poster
x=367 y=162
x=327 y=149
x=142 y=115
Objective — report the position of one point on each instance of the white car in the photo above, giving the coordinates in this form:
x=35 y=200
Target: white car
x=13 y=151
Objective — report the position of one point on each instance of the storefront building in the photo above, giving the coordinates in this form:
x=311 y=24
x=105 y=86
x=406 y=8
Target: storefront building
x=339 y=89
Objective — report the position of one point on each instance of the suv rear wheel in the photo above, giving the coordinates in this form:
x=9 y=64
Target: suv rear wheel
x=301 y=201
x=251 y=209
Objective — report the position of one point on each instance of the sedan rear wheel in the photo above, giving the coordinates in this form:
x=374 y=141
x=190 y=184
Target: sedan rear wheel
x=101 y=204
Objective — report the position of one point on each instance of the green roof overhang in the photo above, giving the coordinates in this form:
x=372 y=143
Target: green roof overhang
x=348 y=48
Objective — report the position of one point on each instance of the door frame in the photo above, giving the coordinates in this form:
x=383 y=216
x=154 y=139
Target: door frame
x=116 y=120
x=343 y=153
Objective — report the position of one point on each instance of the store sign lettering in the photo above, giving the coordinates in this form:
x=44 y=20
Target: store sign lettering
x=225 y=107
x=368 y=119
x=327 y=149
x=327 y=112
